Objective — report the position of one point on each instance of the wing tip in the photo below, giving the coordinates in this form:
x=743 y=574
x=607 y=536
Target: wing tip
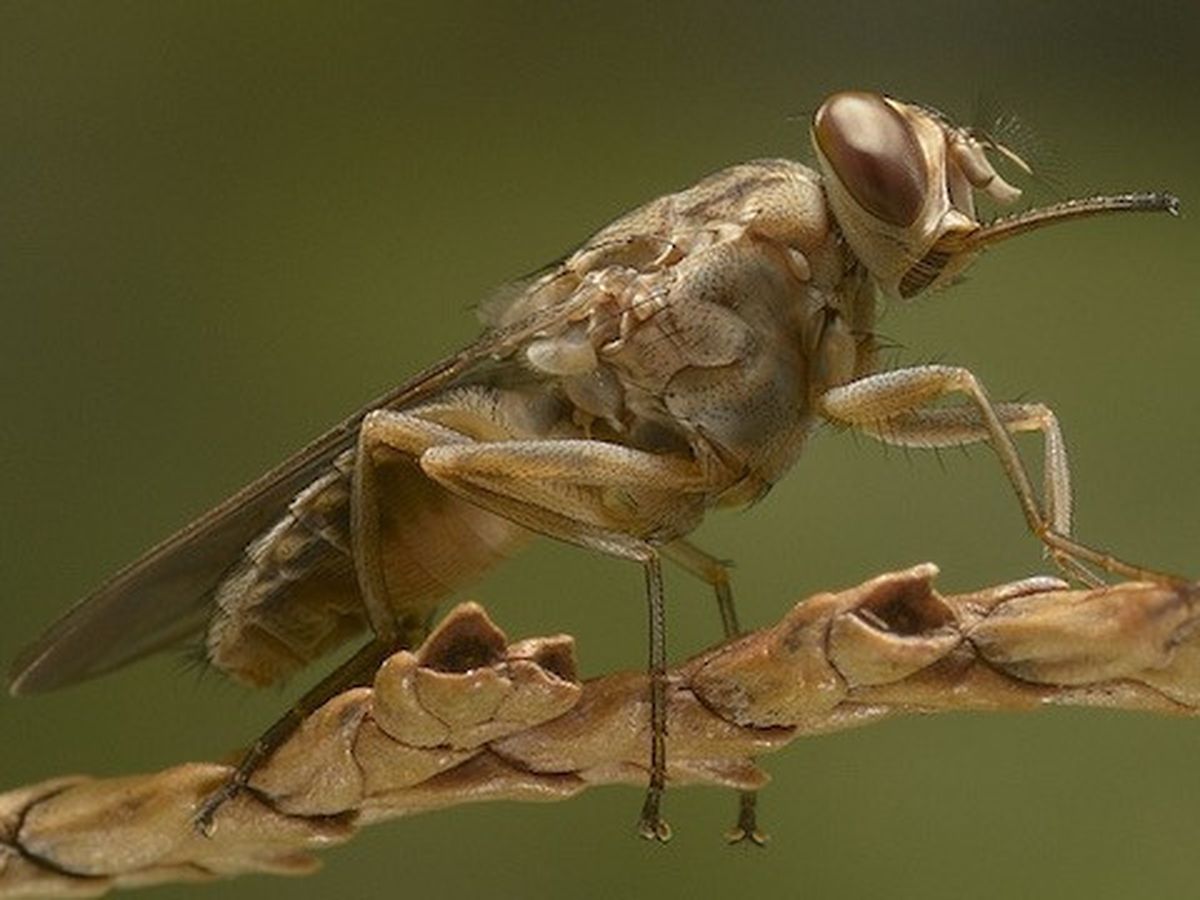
x=22 y=681
x=29 y=673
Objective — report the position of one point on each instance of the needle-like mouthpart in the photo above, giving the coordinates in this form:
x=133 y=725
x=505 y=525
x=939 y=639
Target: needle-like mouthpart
x=1011 y=226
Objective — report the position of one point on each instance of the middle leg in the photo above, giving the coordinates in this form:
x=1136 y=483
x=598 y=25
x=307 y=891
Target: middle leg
x=602 y=496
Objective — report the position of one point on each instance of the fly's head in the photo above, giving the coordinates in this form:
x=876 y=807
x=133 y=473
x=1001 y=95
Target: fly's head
x=901 y=182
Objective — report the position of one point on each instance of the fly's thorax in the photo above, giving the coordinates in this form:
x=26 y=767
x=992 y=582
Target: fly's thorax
x=777 y=200
x=781 y=197
x=712 y=335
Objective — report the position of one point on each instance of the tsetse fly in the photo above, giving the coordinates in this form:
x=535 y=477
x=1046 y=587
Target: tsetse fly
x=675 y=362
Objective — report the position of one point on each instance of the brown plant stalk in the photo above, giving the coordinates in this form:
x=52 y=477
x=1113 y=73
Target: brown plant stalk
x=470 y=717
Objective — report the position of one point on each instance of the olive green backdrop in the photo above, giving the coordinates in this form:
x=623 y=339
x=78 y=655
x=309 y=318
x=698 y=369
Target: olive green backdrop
x=224 y=225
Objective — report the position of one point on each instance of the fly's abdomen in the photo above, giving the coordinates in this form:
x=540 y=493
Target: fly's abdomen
x=294 y=596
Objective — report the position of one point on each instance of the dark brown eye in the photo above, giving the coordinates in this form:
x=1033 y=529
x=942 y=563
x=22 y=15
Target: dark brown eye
x=874 y=154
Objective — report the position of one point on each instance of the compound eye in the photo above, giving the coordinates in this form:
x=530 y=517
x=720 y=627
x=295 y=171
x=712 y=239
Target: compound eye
x=874 y=154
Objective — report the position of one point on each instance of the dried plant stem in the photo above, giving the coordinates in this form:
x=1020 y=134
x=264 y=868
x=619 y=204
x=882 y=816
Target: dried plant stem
x=471 y=717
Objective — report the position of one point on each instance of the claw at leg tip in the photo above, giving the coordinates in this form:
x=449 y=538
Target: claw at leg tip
x=654 y=829
x=740 y=835
x=204 y=824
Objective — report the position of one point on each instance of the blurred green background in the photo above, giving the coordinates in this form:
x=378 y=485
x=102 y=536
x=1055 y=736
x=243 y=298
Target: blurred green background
x=224 y=225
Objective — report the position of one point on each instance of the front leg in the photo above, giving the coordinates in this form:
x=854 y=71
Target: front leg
x=579 y=491
x=895 y=408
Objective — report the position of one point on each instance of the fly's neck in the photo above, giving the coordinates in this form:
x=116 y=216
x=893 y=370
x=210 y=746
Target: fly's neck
x=863 y=309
